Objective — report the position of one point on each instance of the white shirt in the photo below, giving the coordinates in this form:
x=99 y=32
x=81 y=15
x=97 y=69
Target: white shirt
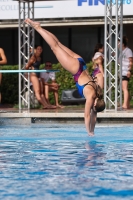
x=126 y=54
x=47 y=76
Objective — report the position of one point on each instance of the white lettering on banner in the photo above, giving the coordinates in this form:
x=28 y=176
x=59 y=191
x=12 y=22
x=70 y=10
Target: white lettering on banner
x=97 y=2
x=119 y=1
x=8 y=7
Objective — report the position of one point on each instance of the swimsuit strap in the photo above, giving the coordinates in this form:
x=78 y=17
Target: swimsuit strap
x=93 y=81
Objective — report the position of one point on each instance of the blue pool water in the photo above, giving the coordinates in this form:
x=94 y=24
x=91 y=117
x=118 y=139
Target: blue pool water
x=60 y=162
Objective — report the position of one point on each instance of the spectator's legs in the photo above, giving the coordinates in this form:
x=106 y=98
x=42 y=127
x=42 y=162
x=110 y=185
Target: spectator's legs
x=54 y=89
x=125 y=94
x=43 y=95
x=36 y=86
x=56 y=97
x=129 y=97
x=41 y=86
x=47 y=93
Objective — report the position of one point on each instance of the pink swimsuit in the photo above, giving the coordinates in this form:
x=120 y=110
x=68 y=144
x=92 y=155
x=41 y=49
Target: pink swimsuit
x=96 y=71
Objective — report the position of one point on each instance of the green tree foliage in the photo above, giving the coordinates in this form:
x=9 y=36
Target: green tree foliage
x=9 y=86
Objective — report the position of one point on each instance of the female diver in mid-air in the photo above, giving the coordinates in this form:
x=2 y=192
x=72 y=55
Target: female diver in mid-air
x=73 y=63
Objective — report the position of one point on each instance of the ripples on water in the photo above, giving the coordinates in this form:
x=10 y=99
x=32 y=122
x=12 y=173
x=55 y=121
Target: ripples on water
x=63 y=163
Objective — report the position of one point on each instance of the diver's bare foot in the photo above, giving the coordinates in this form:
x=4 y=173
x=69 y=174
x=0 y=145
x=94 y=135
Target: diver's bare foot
x=34 y=24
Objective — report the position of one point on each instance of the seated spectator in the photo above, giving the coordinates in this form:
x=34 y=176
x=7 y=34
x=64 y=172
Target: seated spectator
x=50 y=84
x=34 y=64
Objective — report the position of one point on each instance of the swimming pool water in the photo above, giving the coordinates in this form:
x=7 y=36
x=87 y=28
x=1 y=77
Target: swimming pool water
x=60 y=162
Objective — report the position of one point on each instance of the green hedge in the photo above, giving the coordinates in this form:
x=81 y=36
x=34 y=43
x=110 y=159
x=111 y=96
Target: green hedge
x=9 y=87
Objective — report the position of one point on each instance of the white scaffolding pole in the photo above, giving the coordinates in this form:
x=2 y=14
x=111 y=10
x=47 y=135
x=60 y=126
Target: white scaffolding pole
x=26 y=42
x=113 y=30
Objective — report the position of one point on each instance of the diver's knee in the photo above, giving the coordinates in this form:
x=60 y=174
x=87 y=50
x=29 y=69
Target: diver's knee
x=54 y=47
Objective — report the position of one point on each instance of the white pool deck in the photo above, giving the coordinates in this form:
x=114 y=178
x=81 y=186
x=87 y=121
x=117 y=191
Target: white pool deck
x=67 y=114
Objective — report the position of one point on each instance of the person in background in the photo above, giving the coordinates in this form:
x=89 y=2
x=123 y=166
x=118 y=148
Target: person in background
x=127 y=63
x=50 y=84
x=34 y=64
x=97 y=59
x=3 y=61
